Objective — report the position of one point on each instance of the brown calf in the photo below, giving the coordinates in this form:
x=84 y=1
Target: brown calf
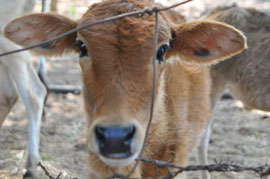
x=246 y=75
x=117 y=72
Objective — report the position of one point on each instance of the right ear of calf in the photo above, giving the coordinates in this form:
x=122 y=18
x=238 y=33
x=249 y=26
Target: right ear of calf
x=35 y=28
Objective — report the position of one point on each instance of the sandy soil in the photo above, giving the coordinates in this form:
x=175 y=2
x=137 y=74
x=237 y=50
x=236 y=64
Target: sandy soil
x=238 y=135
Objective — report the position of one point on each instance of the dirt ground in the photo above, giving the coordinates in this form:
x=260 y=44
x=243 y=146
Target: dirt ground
x=238 y=135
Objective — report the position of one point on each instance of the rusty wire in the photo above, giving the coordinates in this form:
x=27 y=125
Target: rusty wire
x=174 y=169
x=154 y=61
x=140 y=13
x=263 y=170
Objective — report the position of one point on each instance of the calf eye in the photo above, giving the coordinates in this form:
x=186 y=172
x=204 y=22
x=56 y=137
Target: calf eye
x=82 y=48
x=161 y=51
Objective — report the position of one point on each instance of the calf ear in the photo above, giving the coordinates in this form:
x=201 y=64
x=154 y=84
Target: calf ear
x=206 y=42
x=35 y=28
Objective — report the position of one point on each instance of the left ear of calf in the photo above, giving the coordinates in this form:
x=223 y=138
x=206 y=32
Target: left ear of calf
x=35 y=28
x=206 y=42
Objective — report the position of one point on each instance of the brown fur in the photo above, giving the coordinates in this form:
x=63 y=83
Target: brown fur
x=117 y=78
x=246 y=75
x=46 y=49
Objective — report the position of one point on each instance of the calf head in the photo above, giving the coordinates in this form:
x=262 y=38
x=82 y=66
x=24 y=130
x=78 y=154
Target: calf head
x=116 y=62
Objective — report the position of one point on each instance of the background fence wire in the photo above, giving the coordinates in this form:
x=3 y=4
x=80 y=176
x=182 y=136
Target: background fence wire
x=173 y=169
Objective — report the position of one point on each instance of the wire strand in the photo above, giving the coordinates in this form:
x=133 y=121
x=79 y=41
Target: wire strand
x=141 y=13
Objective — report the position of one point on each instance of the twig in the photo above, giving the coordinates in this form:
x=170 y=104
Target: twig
x=58 y=177
x=47 y=173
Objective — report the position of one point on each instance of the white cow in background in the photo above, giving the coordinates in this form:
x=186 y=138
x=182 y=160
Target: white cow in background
x=17 y=75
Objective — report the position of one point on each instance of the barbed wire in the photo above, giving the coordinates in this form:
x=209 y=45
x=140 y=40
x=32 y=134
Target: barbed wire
x=154 y=61
x=263 y=170
x=174 y=169
x=140 y=13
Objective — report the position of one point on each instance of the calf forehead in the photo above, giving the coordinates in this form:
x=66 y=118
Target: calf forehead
x=124 y=36
x=126 y=33
x=123 y=46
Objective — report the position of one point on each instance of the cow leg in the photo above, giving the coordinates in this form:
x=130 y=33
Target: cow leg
x=42 y=76
x=8 y=94
x=33 y=93
x=217 y=89
x=203 y=149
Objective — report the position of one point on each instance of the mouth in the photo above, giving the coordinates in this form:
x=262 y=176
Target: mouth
x=118 y=159
x=118 y=156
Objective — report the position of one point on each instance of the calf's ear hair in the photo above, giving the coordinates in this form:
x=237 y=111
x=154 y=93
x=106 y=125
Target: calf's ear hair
x=34 y=28
x=206 y=42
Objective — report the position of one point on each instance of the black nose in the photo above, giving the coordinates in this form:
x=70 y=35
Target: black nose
x=115 y=142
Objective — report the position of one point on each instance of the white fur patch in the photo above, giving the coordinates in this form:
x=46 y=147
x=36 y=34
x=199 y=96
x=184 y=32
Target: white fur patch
x=119 y=163
x=173 y=59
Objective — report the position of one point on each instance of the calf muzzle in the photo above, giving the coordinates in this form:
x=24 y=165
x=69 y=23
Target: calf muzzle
x=115 y=142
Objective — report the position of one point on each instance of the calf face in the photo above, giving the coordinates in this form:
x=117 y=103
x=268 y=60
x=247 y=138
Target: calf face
x=116 y=62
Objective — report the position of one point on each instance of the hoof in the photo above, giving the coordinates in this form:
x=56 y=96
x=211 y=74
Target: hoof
x=29 y=175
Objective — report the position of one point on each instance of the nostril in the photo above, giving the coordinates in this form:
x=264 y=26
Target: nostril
x=130 y=134
x=100 y=133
